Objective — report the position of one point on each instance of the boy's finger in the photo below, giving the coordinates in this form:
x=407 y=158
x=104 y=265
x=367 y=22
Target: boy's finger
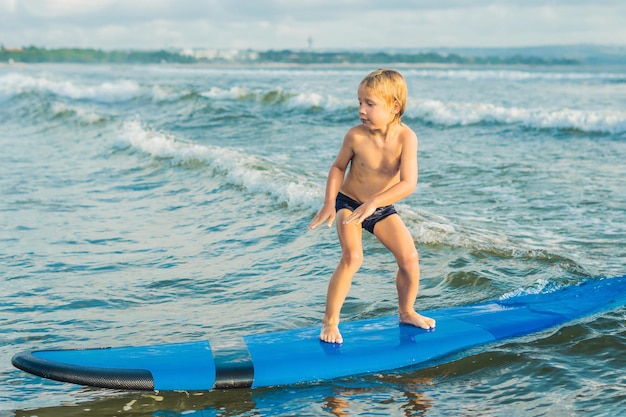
x=350 y=219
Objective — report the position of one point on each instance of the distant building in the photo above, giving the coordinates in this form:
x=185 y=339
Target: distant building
x=215 y=54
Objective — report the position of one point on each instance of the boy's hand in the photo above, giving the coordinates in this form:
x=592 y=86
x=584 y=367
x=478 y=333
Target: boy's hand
x=326 y=214
x=361 y=213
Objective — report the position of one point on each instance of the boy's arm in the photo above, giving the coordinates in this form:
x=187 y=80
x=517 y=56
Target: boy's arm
x=333 y=184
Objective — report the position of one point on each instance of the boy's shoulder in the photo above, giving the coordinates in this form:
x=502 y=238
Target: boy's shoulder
x=359 y=131
x=408 y=132
x=356 y=133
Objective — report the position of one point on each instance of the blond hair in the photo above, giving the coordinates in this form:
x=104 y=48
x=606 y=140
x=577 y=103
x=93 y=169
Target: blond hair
x=389 y=85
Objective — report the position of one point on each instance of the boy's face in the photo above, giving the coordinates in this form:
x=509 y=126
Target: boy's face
x=374 y=111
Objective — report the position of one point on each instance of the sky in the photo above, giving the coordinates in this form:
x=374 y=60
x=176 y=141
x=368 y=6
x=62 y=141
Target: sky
x=300 y=24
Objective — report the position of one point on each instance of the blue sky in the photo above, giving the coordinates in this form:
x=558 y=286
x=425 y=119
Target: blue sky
x=330 y=24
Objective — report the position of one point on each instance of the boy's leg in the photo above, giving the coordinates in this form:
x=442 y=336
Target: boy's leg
x=351 y=259
x=392 y=233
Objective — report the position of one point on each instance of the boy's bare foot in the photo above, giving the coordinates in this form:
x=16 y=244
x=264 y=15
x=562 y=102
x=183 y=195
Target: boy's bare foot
x=417 y=320
x=330 y=334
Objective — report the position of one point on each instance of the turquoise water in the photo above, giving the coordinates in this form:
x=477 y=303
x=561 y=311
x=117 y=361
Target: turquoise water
x=155 y=204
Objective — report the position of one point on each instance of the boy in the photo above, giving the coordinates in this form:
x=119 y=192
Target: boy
x=382 y=155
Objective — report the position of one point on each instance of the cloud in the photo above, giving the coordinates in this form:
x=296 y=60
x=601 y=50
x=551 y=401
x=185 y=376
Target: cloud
x=278 y=24
x=54 y=9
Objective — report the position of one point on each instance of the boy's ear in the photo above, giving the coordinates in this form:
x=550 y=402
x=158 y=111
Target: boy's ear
x=396 y=107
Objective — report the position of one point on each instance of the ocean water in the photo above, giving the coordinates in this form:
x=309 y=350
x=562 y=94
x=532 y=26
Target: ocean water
x=155 y=204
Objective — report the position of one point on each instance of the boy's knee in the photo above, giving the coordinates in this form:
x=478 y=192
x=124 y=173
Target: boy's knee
x=408 y=261
x=352 y=260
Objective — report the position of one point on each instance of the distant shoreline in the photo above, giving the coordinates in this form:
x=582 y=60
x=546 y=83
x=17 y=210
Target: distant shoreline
x=291 y=66
x=31 y=55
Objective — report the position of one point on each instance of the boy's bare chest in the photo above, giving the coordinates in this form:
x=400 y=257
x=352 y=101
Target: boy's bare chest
x=383 y=159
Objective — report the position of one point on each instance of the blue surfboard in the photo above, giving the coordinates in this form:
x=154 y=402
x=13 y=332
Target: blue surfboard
x=293 y=356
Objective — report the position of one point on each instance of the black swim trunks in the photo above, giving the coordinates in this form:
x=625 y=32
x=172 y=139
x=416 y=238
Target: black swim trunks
x=343 y=201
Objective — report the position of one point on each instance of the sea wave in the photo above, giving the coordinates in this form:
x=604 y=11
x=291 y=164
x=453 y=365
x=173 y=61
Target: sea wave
x=237 y=167
x=514 y=75
x=433 y=229
x=541 y=286
x=83 y=114
x=291 y=99
x=236 y=93
x=438 y=112
x=452 y=72
x=463 y=114
x=297 y=191
x=14 y=84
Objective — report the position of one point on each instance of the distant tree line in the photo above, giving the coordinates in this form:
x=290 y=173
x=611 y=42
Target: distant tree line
x=298 y=57
x=34 y=54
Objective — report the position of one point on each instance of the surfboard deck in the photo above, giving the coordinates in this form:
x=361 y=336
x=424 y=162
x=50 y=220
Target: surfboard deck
x=294 y=356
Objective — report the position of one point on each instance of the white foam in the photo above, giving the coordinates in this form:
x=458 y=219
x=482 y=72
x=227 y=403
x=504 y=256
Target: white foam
x=162 y=94
x=109 y=91
x=461 y=114
x=232 y=93
x=315 y=100
x=291 y=99
x=239 y=168
x=432 y=229
x=541 y=286
x=83 y=114
x=159 y=144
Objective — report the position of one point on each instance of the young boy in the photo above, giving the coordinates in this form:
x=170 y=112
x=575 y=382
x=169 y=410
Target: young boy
x=382 y=155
